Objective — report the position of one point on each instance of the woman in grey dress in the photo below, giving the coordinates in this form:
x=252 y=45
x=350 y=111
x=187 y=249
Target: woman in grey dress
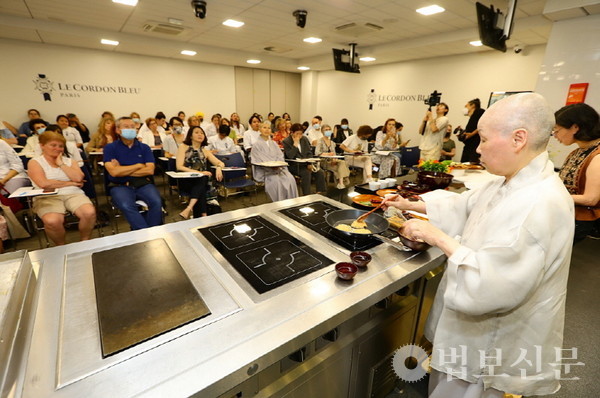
x=279 y=182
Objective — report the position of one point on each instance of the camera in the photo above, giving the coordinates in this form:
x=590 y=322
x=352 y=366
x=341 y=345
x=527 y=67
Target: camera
x=199 y=8
x=300 y=17
x=434 y=99
x=518 y=48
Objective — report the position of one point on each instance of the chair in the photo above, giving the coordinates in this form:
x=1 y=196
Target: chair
x=410 y=156
x=70 y=219
x=235 y=180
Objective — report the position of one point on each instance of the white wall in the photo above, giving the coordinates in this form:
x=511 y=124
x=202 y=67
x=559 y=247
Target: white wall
x=459 y=78
x=164 y=84
x=572 y=56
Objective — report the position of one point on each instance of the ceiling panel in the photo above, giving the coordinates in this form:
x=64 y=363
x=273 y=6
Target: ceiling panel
x=405 y=34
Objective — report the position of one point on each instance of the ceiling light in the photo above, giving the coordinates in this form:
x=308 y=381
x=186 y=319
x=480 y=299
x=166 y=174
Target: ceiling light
x=476 y=43
x=233 y=23
x=430 y=10
x=303 y=68
x=253 y=61
x=175 y=21
x=188 y=52
x=126 y=2
x=313 y=40
x=109 y=42
x=367 y=59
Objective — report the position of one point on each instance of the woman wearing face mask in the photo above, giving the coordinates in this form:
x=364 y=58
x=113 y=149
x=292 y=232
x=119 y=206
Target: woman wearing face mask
x=105 y=135
x=172 y=141
x=355 y=147
x=340 y=133
x=470 y=137
x=32 y=145
x=136 y=119
x=326 y=147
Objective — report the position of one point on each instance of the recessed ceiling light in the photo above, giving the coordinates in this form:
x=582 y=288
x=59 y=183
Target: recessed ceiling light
x=233 y=23
x=109 y=42
x=313 y=40
x=175 y=21
x=430 y=10
x=476 y=43
x=126 y=2
x=253 y=61
x=188 y=52
x=303 y=68
x=367 y=59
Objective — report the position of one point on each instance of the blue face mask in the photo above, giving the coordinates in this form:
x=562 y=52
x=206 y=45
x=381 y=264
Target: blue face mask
x=345 y=126
x=328 y=133
x=128 y=134
x=136 y=120
x=316 y=126
x=41 y=130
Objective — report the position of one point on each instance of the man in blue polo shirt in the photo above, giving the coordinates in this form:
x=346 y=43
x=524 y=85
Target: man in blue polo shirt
x=130 y=167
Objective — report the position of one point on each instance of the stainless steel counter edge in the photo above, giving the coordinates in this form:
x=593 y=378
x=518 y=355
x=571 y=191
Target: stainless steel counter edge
x=217 y=357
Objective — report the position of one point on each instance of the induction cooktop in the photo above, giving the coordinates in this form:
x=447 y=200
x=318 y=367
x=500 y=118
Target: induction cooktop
x=263 y=254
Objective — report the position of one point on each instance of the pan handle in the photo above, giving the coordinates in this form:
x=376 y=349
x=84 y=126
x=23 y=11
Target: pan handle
x=390 y=242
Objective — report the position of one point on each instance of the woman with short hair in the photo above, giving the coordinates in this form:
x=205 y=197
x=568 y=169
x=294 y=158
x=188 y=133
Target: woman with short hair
x=52 y=170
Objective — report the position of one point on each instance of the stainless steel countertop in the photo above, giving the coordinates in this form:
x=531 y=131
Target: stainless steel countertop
x=245 y=334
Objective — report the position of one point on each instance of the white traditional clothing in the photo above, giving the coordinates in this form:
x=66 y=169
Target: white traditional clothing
x=170 y=145
x=211 y=130
x=504 y=288
x=312 y=134
x=250 y=137
x=431 y=143
x=279 y=182
x=9 y=160
x=147 y=136
x=356 y=144
x=72 y=134
x=224 y=146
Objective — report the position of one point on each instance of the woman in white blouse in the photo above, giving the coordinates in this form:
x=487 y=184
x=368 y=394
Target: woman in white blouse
x=355 y=147
x=12 y=172
x=53 y=171
x=326 y=147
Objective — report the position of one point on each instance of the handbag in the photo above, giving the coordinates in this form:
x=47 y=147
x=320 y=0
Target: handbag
x=14 y=204
x=138 y=182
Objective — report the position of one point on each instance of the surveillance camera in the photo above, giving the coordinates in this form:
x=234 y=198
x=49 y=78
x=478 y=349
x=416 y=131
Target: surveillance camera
x=300 y=17
x=518 y=48
x=199 y=8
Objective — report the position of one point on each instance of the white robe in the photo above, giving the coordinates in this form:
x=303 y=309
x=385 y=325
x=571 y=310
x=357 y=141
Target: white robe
x=280 y=184
x=504 y=288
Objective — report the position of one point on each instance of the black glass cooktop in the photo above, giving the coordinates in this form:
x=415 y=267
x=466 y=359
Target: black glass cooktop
x=266 y=256
x=312 y=215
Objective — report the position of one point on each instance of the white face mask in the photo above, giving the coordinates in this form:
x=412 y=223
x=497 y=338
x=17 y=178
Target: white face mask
x=466 y=111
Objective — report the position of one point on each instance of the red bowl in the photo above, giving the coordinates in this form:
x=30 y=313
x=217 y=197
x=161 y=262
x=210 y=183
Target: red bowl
x=346 y=271
x=434 y=179
x=360 y=259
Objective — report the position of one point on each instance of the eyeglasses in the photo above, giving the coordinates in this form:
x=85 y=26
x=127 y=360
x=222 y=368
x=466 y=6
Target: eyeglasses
x=556 y=130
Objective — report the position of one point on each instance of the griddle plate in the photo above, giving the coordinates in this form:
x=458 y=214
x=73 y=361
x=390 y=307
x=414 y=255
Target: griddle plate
x=142 y=292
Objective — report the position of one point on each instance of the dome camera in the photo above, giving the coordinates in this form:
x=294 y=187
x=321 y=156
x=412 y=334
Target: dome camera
x=300 y=17
x=518 y=48
x=199 y=7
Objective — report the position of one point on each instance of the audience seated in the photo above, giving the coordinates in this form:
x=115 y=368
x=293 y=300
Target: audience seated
x=52 y=170
x=130 y=167
x=222 y=144
x=193 y=156
x=172 y=141
x=70 y=134
x=356 y=146
x=105 y=135
x=279 y=182
x=326 y=147
x=387 y=140
x=297 y=146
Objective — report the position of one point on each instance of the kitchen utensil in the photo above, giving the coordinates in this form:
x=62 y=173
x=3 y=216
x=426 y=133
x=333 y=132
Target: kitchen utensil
x=346 y=271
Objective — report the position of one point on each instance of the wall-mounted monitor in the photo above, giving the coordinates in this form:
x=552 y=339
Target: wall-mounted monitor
x=344 y=60
x=494 y=28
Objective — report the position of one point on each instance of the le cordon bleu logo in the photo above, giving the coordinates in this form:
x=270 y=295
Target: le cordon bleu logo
x=74 y=90
x=384 y=100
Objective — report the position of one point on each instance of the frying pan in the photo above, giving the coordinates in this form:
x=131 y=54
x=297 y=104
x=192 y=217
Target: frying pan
x=375 y=223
